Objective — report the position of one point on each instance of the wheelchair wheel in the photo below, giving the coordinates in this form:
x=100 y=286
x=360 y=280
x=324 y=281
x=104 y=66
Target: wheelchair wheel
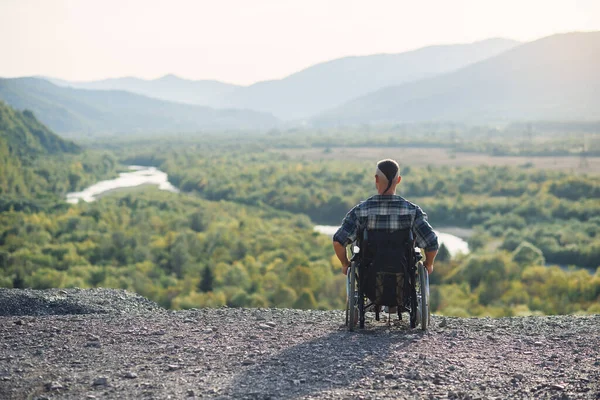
x=423 y=297
x=352 y=304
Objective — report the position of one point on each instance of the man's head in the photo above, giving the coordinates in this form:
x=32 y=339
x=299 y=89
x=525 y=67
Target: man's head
x=387 y=176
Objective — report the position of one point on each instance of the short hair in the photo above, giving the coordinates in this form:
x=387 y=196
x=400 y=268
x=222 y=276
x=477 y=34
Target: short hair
x=388 y=169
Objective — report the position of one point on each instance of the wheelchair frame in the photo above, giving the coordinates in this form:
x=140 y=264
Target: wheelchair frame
x=416 y=303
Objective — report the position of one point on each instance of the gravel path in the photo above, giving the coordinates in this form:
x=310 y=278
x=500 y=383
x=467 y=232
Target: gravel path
x=86 y=344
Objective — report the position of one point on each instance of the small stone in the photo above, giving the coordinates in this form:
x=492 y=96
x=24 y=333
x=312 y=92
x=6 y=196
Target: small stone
x=209 y=330
x=96 y=345
x=271 y=324
x=100 y=382
x=131 y=375
x=93 y=338
x=518 y=377
x=538 y=344
x=265 y=326
x=556 y=386
x=53 y=386
x=19 y=322
x=173 y=367
x=389 y=375
x=190 y=393
x=188 y=321
x=443 y=323
x=247 y=362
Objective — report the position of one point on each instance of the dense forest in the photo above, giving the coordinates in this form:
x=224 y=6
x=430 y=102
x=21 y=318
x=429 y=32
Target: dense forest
x=240 y=233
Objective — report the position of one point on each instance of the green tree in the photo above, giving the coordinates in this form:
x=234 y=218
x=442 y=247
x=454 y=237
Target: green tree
x=528 y=254
x=207 y=281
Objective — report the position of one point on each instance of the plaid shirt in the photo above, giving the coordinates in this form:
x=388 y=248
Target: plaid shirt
x=389 y=213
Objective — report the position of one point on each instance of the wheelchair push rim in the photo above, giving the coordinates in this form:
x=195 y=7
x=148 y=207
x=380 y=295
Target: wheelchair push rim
x=352 y=308
x=423 y=314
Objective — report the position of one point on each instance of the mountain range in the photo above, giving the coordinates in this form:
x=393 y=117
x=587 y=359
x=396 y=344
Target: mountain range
x=314 y=89
x=330 y=84
x=554 y=78
x=79 y=111
x=169 y=88
x=496 y=80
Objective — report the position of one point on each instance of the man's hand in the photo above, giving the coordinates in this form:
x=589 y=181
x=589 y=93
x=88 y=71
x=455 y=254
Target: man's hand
x=429 y=257
x=429 y=267
x=345 y=268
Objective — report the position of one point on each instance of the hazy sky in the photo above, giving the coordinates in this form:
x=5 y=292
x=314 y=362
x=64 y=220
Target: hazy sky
x=244 y=41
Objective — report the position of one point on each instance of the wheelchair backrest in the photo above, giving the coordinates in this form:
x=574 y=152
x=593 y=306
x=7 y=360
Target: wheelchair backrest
x=387 y=262
x=395 y=249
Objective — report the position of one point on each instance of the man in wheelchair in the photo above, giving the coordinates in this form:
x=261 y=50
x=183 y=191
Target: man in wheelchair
x=385 y=229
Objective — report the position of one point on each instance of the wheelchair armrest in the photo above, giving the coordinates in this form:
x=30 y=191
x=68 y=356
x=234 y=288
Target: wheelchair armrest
x=418 y=255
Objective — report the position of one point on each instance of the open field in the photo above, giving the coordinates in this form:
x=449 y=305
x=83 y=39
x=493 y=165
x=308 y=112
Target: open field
x=420 y=156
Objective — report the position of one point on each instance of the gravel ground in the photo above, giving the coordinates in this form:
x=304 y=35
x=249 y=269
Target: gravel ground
x=101 y=343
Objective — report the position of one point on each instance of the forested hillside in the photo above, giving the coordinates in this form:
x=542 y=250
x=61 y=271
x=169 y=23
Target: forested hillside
x=26 y=137
x=38 y=167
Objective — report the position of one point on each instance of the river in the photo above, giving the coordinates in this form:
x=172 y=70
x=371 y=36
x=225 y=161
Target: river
x=136 y=176
x=139 y=175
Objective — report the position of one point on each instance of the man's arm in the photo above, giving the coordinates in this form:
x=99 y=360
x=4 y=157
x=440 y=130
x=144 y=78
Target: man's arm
x=342 y=255
x=426 y=239
x=343 y=237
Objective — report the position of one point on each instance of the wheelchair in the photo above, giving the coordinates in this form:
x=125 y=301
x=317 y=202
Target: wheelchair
x=386 y=270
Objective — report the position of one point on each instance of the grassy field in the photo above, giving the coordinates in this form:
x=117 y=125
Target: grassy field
x=415 y=156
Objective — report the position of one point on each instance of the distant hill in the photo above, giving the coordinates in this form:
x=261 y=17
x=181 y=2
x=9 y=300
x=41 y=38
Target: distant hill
x=312 y=90
x=554 y=78
x=333 y=83
x=79 y=111
x=23 y=136
x=169 y=88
